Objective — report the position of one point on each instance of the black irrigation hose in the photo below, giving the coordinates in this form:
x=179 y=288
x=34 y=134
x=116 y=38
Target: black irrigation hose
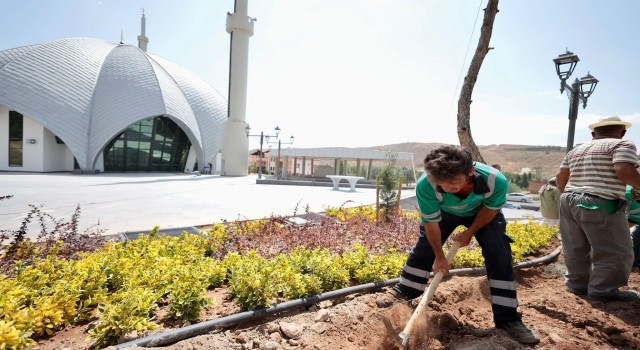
x=208 y=326
x=232 y=320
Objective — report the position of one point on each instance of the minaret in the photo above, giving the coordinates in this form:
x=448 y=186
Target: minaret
x=142 y=39
x=235 y=143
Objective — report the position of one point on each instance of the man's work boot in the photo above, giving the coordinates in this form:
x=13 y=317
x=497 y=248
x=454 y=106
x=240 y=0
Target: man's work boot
x=520 y=332
x=619 y=295
x=391 y=297
x=576 y=291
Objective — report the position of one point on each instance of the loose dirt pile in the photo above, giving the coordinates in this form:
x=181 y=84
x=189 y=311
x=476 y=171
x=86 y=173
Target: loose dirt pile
x=459 y=317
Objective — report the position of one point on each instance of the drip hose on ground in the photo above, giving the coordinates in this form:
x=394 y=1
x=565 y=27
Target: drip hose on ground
x=176 y=335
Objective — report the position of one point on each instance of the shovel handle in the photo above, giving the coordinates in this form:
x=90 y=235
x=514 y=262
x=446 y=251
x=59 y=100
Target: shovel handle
x=426 y=298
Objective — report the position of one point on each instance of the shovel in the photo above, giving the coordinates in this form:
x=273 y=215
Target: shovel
x=403 y=338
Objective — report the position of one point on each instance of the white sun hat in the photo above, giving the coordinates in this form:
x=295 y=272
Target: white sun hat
x=615 y=120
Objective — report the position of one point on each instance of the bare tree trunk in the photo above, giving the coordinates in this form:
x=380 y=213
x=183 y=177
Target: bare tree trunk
x=464 y=102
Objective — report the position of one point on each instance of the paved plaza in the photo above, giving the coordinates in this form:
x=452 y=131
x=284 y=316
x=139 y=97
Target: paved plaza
x=132 y=202
x=138 y=202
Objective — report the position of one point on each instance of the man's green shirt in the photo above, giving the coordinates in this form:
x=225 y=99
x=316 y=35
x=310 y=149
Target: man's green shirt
x=633 y=212
x=489 y=190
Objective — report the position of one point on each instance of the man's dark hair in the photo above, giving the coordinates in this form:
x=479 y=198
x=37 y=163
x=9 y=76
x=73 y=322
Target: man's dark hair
x=447 y=162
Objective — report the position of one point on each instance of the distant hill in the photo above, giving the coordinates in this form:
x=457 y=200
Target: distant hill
x=512 y=158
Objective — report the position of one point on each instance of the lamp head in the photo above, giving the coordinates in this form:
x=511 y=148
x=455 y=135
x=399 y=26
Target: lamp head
x=565 y=64
x=247 y=130
x=587 y=85
x=277 y=131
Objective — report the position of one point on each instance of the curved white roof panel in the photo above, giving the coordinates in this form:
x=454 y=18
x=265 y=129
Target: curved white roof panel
x=87 y=91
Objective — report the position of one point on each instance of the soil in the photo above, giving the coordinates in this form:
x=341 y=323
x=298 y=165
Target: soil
x=459 y=317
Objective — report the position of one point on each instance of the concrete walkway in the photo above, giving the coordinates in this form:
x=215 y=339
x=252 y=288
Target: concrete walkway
x=138 y=202
x=132 y=202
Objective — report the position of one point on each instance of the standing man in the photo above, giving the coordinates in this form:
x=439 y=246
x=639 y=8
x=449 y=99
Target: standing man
x=456 y=191
x=633 y=217
x=593 y=225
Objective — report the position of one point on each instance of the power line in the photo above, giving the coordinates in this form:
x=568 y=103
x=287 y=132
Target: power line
x=464 y=61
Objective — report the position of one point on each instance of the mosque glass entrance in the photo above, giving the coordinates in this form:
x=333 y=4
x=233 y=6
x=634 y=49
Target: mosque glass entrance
x=151 y=145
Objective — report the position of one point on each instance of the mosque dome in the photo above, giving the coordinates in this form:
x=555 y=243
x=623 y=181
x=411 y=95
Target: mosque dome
x=88 y=91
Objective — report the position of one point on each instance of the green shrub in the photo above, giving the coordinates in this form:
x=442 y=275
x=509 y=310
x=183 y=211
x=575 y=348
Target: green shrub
x=14 y=336
x=366 y=268
x=126 y=281
x=125 y=312
x=187 y=296
x=250 y=283
x=321 y=264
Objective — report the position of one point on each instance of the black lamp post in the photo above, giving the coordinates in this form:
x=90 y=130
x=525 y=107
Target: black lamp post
x=278 y=175
x=247 y=129
x=579 y=89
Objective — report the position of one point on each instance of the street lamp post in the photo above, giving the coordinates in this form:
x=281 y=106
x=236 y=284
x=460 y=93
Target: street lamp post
x=247 y=129
x=278 y=175
x=579 y=90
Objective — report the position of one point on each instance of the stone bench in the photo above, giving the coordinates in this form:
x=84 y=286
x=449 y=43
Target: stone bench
x=351 y=179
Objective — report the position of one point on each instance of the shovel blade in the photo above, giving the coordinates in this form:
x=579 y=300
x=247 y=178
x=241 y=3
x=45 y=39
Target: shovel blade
x=398 y=339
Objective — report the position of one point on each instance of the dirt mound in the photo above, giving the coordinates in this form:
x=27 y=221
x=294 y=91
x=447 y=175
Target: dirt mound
x=459 y=317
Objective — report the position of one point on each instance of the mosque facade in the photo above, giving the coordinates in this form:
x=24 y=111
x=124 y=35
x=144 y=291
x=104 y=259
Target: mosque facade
x=88 y=105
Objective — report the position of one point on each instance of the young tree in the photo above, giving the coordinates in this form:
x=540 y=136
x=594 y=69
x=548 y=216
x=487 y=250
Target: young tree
x=464 y=102
x=388 y=182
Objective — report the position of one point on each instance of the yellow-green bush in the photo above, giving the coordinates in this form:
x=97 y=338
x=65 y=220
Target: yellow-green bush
x=187 y=294
x=212 y=272
x=218 y=235
x=366 y=212
x=251 y=284
x=14 y=337
x=124 y=280
x=249 y=227
x=320 y=263
x=528 y=238
x=288 y=282
x=123 y=283
x=255 y=281
x=15 y=320
x=342 y=214
x=124 y=312
x=366 y=268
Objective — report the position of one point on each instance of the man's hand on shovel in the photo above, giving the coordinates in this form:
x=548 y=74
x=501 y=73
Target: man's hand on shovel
x=464 y=237
x=441 y=265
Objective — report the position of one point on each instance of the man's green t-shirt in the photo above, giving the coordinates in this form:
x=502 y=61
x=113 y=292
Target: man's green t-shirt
x=633 y=212
x=489 y=190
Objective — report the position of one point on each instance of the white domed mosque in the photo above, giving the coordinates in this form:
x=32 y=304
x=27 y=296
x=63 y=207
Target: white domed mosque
x=87 y=105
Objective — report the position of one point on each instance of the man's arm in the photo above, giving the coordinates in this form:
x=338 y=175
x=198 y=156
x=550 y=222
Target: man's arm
x=627 y=173
x=562 y=177
x=484 y=216
x=434 y=236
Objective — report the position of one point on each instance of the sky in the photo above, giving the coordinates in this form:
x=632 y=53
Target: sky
x=363 y=73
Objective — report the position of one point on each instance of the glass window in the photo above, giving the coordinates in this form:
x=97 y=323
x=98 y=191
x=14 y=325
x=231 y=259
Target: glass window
x=154 y=144
x=16 y=143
